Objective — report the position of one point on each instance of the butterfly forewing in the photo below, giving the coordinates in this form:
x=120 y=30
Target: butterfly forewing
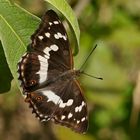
x=50 y=53
x=51 y=34
x=46 y=75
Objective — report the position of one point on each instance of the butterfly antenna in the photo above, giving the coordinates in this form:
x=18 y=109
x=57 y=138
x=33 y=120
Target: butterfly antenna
x=87 y=58
x=82 y=67
x=82 y=72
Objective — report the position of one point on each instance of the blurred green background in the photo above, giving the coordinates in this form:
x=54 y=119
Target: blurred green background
x=113 y=103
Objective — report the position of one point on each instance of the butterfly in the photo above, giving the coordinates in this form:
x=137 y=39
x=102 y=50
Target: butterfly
x=48 y=78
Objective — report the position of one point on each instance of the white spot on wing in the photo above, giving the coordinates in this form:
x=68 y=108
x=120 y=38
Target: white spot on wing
x=47 y=57
x=70 y=115
x=54 y=47
x=47 y=35
x=22 y=74
x=70 y=102
x=61 y=104
x=51 y=96
x=24 y=59
x=50 y=23
x=78 y=121
x=41 y=115
x=22 y=67
x=43 y=120
x=47 y=50
x=79 y=108
x=58 y=35
x=40 y=37
x=83 y=119
x=38 y=118
x=56 y=22
x=43 y=67
x=42 y=59
x=64 y=37
x=63 y=117
x=25 y=96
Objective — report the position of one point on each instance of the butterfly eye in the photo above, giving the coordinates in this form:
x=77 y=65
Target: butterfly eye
x=39 y=98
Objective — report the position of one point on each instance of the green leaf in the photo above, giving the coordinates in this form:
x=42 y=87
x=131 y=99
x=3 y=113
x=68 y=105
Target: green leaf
x=66 y=10
x=16 y=27
x=5 y=74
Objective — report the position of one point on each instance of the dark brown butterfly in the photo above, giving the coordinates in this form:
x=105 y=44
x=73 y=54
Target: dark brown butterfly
x=48 y=78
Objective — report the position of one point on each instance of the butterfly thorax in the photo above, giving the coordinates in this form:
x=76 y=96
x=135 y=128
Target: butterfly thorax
x=70 y=74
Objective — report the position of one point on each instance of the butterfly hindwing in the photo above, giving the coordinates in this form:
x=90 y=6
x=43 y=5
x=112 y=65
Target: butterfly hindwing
x=63 y=104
